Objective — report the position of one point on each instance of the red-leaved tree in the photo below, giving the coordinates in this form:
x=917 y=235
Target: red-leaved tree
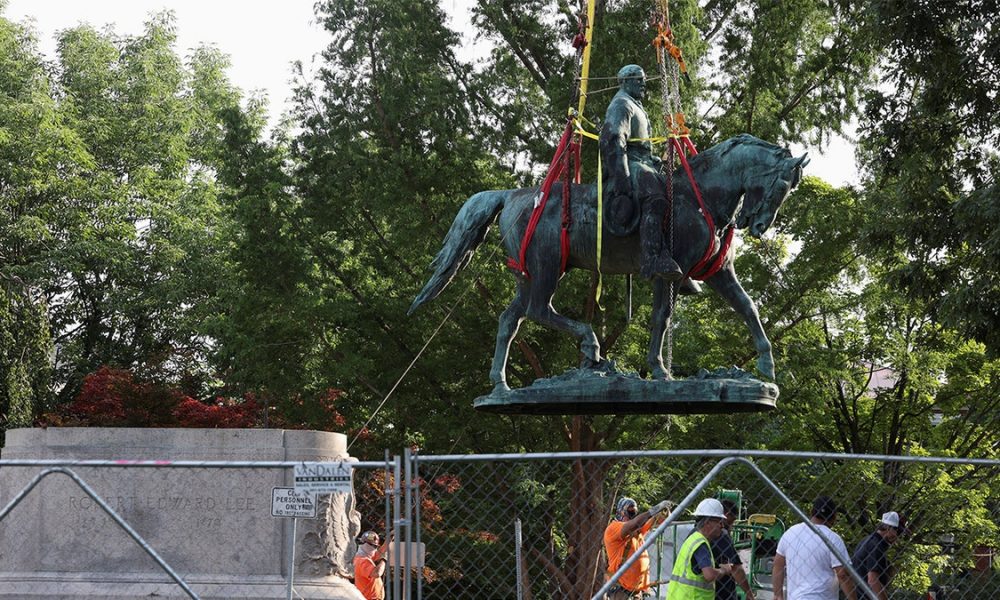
x=113 y=397
x=225 y=413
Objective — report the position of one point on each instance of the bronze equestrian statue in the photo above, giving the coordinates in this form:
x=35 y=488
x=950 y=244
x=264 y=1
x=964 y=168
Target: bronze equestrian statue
x=743 y=181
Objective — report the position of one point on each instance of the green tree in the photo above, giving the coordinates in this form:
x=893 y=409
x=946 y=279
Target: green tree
x=267 y=334
x=25 y=369
x=113 y=234
x=930 y=134
x=35 y=146
x=139 y=263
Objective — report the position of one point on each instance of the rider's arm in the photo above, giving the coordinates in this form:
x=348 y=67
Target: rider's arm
x=614 y=139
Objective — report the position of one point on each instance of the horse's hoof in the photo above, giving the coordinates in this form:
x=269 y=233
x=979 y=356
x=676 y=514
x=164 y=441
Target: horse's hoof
x=660 y=374
x=500 y=389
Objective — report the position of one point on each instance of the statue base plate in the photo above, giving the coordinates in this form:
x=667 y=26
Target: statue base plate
x=606 y=390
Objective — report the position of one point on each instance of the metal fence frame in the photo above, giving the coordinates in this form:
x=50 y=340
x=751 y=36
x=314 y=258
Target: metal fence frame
x=66 y=467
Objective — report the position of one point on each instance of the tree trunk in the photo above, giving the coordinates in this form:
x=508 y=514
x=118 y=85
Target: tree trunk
x=585 y=562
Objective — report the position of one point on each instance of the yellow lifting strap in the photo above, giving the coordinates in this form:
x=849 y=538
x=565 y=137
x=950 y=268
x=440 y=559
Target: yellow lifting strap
x=585 y=68
x=600 y=205
x=584 y=84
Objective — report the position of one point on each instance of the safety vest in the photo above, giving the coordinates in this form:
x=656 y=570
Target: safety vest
x=685 y=583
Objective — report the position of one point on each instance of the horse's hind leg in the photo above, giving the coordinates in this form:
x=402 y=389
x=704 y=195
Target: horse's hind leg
x=510 y=321
x=541 y=311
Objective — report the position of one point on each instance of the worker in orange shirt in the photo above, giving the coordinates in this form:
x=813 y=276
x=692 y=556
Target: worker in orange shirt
x=623 y=536
x=369 y=566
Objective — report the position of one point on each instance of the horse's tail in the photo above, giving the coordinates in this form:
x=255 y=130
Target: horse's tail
x=466 y=234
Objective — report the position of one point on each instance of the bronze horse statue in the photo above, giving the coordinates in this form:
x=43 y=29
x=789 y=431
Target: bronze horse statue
x=743 y=182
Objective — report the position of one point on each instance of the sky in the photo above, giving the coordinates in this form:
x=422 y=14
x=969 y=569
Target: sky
x=263 y=41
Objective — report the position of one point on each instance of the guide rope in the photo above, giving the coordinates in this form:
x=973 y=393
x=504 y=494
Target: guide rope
x=416 y=357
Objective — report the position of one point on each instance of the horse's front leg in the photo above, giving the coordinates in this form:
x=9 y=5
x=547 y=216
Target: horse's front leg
x=663 y=293
x=726 y=285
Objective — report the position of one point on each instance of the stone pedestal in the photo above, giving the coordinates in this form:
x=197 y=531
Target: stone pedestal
x=212 y=526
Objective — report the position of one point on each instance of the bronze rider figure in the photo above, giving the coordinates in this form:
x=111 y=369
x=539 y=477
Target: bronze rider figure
x=634 y=179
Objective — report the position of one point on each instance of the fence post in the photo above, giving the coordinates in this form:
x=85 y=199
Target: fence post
x=291 y=561
x=416 y=521
x=390 y=586
x=397 y=468
x=517 y=557
x=408 y=509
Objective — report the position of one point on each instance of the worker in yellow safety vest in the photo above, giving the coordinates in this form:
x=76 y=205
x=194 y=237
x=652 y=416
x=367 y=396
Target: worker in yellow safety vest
x=695 y=572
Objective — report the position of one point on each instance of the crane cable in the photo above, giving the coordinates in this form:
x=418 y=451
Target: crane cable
x=670 y=71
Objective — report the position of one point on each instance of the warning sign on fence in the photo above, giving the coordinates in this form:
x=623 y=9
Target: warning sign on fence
x=286 y=502
x=323 y=478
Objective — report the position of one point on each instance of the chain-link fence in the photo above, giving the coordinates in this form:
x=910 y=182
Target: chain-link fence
x=505 y=526
x=533 y=526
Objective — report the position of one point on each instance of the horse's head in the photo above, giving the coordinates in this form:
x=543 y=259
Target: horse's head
x=770 y=173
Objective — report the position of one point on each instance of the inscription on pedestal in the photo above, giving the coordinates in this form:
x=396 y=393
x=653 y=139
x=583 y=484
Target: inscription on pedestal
x=179 y=503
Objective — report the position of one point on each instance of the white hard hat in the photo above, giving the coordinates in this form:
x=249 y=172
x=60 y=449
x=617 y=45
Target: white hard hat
x=891 y=519
x=710 y=507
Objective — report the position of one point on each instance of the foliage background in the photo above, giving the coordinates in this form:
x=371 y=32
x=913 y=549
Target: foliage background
x=149 y=224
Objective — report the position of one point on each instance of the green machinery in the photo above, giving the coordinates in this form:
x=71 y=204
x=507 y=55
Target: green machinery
x=756 y=539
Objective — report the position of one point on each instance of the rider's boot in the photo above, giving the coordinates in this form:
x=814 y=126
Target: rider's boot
x=656 y=260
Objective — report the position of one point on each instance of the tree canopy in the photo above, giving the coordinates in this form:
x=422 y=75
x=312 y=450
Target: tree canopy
x=149 y=222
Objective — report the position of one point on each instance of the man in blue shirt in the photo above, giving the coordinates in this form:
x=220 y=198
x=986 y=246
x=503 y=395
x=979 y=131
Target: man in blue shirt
x=724 y=552
x=870 y=558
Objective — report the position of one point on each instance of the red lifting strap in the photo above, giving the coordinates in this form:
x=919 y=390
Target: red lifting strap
x=713 y=268
x=556 y=169
x=567 y=159
x=572 y=162
x=705 y=267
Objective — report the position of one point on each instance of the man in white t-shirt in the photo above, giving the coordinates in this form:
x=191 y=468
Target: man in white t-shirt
x=804 y=567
